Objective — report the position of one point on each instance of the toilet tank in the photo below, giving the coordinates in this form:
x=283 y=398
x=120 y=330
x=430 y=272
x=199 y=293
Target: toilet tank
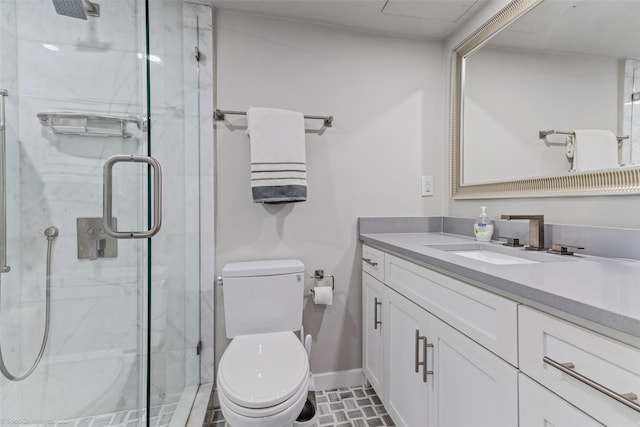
x=263 y=296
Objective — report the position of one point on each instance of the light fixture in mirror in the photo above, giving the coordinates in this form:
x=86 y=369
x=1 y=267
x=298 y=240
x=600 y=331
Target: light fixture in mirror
x=536 y=67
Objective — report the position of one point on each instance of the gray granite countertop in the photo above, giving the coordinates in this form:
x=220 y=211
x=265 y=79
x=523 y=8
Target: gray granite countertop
x=595 y=290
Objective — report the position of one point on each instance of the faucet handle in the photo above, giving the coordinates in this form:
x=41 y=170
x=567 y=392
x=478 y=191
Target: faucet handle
x=562 y=249
x=514 y=242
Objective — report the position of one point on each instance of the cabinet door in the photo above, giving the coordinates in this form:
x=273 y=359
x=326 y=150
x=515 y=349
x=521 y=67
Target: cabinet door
x=372 y=333
x=474 y=387
x=407 y=393
x=539 y=407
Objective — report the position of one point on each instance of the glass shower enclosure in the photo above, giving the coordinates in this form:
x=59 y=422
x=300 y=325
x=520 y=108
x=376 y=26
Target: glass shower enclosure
x=99 y=214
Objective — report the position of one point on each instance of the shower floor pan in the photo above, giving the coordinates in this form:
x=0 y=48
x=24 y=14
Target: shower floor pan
x=68 y=387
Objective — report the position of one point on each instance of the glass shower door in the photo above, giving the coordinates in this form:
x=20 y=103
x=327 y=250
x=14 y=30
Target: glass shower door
x=75 y=78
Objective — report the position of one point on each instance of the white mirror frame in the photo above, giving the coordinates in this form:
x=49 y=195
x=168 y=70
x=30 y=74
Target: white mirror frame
x=606 y=182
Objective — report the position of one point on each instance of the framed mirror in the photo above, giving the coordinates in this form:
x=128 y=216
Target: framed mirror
x=527 y=87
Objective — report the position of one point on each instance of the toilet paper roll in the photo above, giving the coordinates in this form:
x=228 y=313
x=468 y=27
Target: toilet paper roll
x=322 y=295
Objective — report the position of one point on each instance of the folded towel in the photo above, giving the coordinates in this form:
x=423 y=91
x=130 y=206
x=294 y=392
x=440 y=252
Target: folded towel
x=278 y=160
x=595 y=149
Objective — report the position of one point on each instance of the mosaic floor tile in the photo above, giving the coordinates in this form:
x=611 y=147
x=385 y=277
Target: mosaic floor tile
x=344 y=407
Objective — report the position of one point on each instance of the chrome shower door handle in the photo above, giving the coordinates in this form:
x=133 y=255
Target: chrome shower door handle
x=107 y=197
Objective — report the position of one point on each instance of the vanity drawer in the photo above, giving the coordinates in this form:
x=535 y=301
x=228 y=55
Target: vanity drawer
x=487 y=318
x=548 y=345
x=373 y=262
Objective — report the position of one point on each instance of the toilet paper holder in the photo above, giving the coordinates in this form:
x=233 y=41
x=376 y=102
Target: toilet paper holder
x=319 y=275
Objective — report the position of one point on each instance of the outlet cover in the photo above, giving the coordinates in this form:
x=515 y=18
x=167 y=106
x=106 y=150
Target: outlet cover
x=427 y=185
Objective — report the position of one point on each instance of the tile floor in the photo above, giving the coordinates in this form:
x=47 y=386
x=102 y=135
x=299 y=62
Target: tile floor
x=344 y=407
x=160 y=417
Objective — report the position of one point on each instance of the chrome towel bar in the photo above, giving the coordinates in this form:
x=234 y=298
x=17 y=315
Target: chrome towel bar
x=218 y=115
x=542 y=134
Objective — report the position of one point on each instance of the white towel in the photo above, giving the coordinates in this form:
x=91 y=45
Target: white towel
x=278 y=159
x=595 y=149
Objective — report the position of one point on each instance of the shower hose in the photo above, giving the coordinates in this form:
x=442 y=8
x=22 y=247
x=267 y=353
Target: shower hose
x=51 y=233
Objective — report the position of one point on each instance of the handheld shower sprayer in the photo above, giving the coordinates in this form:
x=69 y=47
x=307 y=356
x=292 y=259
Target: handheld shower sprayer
x=50 y=233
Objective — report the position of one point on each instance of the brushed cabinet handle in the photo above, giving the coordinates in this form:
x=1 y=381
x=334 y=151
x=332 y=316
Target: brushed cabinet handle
x=567 y=368
x=425 y=346
x=370 y=262
x=418 y=363
x=376 y=322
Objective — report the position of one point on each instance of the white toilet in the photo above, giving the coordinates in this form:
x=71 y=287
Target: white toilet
x=263 y=375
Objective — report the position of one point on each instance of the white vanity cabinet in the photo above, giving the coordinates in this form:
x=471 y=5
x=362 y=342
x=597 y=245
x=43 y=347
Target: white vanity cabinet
x=433 y=374
x=574 y=362
x=457 y=355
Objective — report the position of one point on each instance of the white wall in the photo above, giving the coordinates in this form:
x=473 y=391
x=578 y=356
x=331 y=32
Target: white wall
x=608 y=211
x=386 y=96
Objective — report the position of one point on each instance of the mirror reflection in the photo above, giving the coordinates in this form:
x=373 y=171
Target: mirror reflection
x=568 y=69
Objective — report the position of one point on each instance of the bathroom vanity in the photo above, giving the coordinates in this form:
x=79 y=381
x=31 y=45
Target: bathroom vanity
x=458 y=333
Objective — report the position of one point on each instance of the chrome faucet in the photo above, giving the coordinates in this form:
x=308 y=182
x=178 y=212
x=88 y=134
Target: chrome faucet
x=536 y=230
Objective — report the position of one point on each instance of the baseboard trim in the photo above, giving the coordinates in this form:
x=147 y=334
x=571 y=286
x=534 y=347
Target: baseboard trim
x=339 y=379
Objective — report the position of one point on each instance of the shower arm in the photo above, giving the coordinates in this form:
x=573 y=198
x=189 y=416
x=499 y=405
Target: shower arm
x=91 y=9
x=4 y=268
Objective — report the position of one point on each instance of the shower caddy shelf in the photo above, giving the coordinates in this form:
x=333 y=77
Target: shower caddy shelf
x=91 y=124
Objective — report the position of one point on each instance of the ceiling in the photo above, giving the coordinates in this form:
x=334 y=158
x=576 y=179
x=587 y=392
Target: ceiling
x=429 y=19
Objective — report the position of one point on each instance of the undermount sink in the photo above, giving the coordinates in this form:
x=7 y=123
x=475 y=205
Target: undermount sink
x=498 y=254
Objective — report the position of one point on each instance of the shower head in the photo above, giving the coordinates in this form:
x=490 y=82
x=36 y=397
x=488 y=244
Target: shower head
x=76 y=8
x=51 y=232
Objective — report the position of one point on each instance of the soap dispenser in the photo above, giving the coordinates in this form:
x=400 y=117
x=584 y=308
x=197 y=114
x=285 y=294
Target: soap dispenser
x=483 y=228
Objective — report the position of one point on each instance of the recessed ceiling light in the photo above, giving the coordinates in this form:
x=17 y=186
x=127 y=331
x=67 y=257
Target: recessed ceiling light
x=51 y=47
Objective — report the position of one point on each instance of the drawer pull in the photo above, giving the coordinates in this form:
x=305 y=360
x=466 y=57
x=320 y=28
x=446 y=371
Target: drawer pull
x=425 y=345
x=376 y=322
x=370 y=262
x=625 y=398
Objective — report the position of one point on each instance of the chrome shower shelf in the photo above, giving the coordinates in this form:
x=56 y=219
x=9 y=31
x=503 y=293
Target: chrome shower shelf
x=92 y=124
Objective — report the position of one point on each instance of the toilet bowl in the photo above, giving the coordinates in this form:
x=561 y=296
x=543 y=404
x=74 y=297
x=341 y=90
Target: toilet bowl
x=263 y=380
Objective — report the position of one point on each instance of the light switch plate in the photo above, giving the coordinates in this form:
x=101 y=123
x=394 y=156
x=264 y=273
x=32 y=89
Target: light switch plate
x=427 y=185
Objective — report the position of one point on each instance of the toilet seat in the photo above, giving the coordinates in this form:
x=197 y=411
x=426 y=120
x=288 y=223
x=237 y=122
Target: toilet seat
x=263 y=374
x=271 y=411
